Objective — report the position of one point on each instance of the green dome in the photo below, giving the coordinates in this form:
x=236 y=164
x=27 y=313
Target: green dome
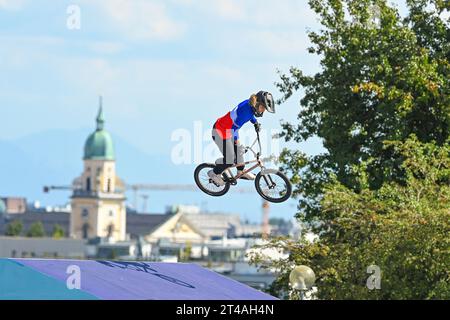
x=2 y=207
x=99 y=145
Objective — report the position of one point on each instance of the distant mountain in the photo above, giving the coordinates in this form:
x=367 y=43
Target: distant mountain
x=18 y=173
x=54 y=157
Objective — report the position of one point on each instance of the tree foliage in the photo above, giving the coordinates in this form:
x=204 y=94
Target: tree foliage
x=380 y=194
x=36 y=230
x=382 y=78
x=14 y=229
x=58 y=232
x=401 y=228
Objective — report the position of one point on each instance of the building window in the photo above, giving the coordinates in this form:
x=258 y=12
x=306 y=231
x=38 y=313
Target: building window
x=109 y=185
x=111 y=213
x=85 y=213
x=88 y=184
x=85 y=231
x=110 y=230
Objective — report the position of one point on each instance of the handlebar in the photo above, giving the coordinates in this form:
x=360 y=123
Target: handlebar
x=256 y=154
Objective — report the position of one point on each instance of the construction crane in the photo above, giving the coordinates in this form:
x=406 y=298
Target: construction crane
x=48 y=188
x=191 y=187
x=171 y=187
x=136 y=188
x=144 y=205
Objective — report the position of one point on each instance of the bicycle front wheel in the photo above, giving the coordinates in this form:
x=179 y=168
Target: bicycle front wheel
x=273 y=185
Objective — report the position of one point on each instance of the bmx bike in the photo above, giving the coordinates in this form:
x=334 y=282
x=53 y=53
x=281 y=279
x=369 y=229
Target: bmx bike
x=271 y=184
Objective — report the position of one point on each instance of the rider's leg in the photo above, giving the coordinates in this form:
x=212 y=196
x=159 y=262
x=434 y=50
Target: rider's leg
x=239 y=151
x=226 y=147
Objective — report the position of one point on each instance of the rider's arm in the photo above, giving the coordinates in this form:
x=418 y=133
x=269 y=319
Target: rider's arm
x=255 y=123
x=253 y=118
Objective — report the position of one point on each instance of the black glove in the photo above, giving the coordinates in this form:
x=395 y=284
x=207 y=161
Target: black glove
x=257 y=127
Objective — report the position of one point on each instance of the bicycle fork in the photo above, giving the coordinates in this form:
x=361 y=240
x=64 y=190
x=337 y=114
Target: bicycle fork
x=268 y=179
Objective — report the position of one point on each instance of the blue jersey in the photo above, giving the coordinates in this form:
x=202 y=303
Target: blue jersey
x=229 y=124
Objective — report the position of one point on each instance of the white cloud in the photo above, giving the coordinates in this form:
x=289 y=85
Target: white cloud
x=256 y=28
x=278 y=43
x=260 y=13
x=11 y=4
x=266 y=44
x=106 y=47
x=94 y=75
x=289 y=13
x=16 y=51
x=224 y=73
x=143 y=20
x=229 y=9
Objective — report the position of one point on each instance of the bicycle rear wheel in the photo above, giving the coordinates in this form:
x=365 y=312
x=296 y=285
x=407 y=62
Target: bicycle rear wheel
x=273 y=186
x=206 y=184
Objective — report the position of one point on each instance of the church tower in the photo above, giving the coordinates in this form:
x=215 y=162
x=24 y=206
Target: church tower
x=98 y=200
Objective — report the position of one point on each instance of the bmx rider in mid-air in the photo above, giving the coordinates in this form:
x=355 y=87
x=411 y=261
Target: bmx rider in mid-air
x=225 y=133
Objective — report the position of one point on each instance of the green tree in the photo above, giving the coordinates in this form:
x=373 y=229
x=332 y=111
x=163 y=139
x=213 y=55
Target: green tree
x=36 y=230
x=401 y=228
x=382 y=78
x=185 y=253
x=58 y=232
x=379 y=195
x=14 y=228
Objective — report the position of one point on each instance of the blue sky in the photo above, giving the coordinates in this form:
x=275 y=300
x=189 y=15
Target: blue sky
x=160 y=65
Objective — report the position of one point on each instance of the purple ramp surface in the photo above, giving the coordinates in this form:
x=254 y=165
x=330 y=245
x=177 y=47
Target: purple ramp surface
x=119 y=280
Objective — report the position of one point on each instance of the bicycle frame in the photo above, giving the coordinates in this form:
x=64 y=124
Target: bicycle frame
x=259 y=162
x=266 y=181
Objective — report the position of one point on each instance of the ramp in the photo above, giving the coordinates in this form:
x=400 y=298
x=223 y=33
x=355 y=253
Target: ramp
x=36 y=279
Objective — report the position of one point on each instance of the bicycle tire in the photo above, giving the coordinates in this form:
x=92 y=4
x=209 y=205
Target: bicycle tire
x=285 y=197
x=200 y=185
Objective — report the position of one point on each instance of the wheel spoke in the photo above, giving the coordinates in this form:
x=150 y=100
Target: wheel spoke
x=278 y=191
